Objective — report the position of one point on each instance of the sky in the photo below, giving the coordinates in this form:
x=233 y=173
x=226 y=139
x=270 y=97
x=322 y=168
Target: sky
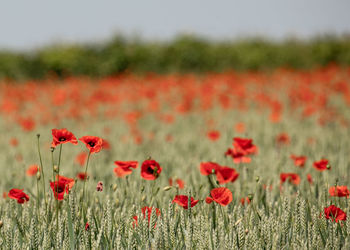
x=32 y=24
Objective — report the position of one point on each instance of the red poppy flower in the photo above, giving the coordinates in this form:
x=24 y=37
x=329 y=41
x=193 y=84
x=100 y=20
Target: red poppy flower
x=149 y=211
x=309 y=178
x=208 y=168
x=339 y=191
x=81 y=158
x=220 y=195
x=32 y=170
x=213 y=135
x=182 y=200
x=321 y=165
x=82 y=176
x=237 y=156
x=150 y=170
x=283 y=138
x=124 y=167
x=19 y=195
x=245 y=200
x=87 y=226
x=180 y=183
x=333 y=212
x=244 y=145
x=60 y=136
x=299 y=161
x=93 y=143
x=225 y=174
x=291 y=177
x=60 y=186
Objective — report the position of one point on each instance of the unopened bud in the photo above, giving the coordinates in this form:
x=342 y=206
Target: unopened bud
x=143 y=198
x=257 y=179
x=38 y=135
x=114 y=187
x=38 y=175
x=55 y=168
x=167 y=188
x=250 y=196
x=246 y=231
x=328 y=166
x=1 y=223
x=52 y=149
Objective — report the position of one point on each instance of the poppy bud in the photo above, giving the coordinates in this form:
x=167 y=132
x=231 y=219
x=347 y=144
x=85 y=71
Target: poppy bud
x=246 y=231
x=167 y=188
x=1 y=223
x=114 y=187
x=213 y=171
x=143 y=198
x=52 y=149
x=99 y=187
x=38 y=135
x=55 y=168
x=257 y=179
x=38 y=175
x=250 y=196
x=328 y=166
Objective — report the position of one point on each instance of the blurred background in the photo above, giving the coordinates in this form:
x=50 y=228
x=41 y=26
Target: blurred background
x=102 y=38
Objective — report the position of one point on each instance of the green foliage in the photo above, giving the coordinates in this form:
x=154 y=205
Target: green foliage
x=184 y=54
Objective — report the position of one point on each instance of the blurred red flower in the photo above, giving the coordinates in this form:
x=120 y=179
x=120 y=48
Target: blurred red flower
x=339 y=191
x=19 y=195
x=333 y=212
x=93 y=143
x=291 y=177
x=81 y=158
x=309 y=178
x=283 y=138
x=244 y=145
x=124 y=167
x=226 y=174
x=213 y=135
x=245 y=200
x=60 y=186
x=221 y=195
x=106 y=144
x=82 y=176
x=208 y=168
x=150 y=170
x=32 y=170
x=14 y=142
x=60 y=136
x=237 y=156
x=321 y=165
x=182 y=200
x=180 y=183
x=299 y=161
x=149 y=212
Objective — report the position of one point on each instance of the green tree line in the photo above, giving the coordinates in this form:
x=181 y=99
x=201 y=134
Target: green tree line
x=183 y=54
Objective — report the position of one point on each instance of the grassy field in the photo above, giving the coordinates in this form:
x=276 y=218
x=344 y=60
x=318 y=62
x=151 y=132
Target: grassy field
x=181 y=122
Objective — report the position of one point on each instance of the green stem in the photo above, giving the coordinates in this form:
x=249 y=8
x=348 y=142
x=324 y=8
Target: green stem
x=86 y=167
x=58 y=174
x=37 y=197
x=42 y=171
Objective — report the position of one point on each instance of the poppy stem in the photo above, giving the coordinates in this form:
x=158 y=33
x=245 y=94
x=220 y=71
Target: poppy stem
x=86 y=167
x=58 y=177
x=37 y=196
x=42 y=170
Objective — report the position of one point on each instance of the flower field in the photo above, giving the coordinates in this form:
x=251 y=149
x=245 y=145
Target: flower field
x=249 y=160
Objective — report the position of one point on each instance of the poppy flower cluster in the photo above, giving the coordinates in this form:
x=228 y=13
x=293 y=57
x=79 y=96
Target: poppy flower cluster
x=223 y=174
x=322 y=165
x=242 y=149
